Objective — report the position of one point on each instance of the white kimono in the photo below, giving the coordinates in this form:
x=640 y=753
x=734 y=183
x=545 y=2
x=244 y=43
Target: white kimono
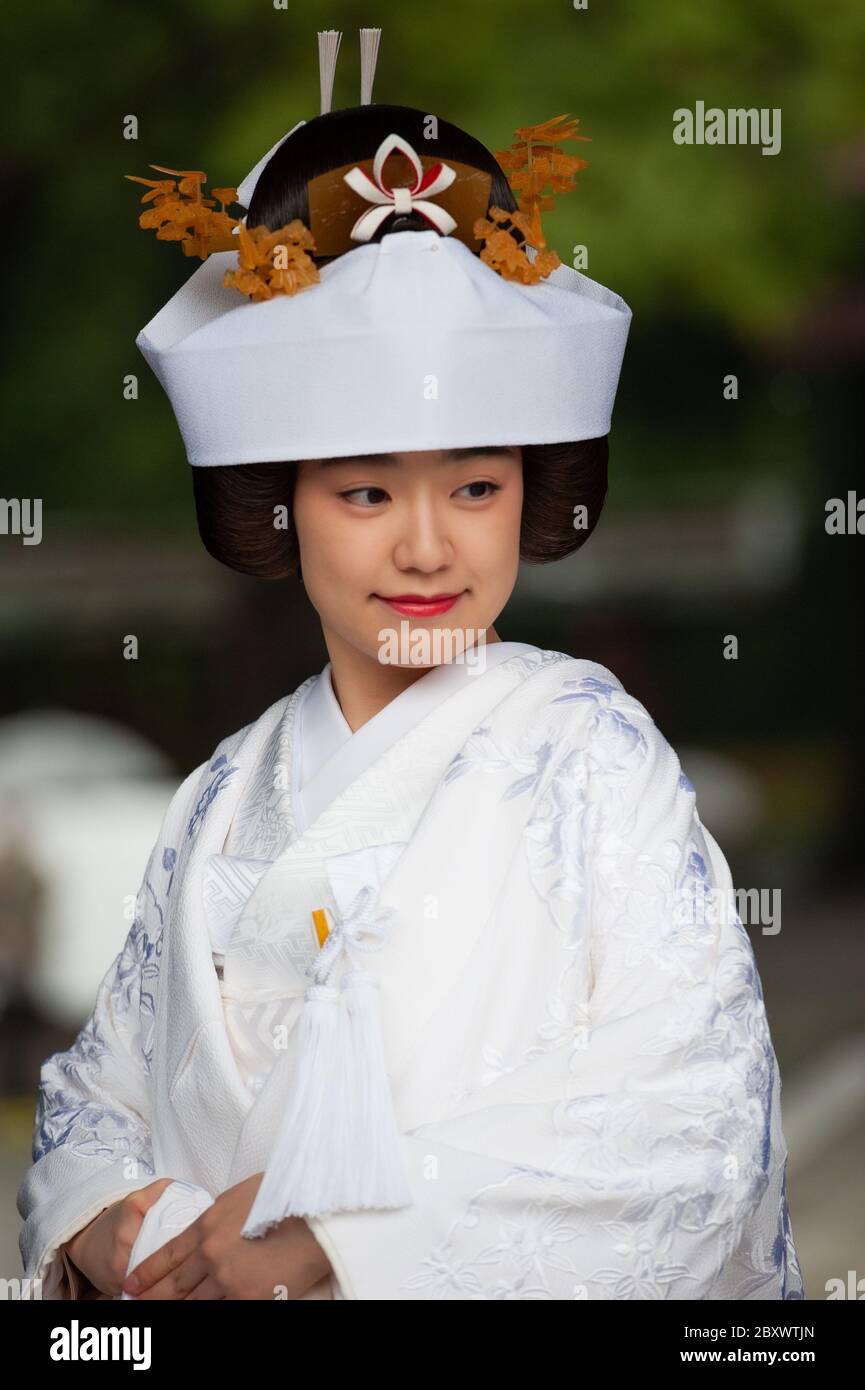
x=585 y=1094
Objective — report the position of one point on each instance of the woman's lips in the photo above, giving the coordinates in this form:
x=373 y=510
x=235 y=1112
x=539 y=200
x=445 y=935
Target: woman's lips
x=416 y=606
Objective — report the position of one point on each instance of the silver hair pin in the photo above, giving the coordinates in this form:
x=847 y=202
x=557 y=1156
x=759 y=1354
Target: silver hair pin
x=369 y=40
x=328 y=48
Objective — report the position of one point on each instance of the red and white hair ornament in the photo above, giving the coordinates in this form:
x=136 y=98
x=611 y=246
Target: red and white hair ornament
x=400 y=201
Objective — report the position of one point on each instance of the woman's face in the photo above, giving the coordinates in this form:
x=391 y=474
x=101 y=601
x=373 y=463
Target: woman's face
x=380 y=530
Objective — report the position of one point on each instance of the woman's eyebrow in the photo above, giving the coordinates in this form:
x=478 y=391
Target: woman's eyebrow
x=484 y=451
x=449 y=456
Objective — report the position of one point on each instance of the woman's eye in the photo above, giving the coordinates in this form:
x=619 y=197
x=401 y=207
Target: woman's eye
x=379 y=495
x=480 y=496
x=373 y=496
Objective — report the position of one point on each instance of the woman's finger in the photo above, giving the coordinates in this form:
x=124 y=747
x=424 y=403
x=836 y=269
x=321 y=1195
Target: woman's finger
x=161 y=1263
x=207 y=1289
x=145 y=1197
x=179 y=1282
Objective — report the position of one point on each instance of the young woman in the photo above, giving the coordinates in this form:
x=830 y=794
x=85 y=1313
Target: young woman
x=435 y=990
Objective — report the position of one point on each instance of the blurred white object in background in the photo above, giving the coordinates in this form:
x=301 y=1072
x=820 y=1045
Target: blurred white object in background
x=730 y=802
x=81 y=801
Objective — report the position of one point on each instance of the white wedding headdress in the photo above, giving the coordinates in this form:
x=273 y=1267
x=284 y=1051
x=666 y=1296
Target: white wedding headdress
x=409 y=342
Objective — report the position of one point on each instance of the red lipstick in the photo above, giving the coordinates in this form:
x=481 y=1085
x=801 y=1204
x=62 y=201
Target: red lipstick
x=419 y=605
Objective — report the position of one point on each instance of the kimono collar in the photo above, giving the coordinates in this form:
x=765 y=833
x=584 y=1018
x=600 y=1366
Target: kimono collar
x=331 y=756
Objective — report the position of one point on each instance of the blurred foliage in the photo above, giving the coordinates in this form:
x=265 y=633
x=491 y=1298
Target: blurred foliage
x=723 y=245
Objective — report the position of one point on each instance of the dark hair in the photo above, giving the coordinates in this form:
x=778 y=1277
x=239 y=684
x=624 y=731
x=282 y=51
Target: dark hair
x=235 y=502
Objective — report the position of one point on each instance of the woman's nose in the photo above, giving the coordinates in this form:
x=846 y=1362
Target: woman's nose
x=424 y=543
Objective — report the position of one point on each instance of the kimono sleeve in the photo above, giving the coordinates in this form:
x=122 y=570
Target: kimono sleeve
x=92 y=1130
x=642 y=1157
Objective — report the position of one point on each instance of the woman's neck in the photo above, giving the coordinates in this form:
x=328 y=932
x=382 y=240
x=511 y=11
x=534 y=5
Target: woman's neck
x=363 y=685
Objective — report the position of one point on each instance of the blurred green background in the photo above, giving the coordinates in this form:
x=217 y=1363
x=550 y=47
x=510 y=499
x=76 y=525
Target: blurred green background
x=733 y=262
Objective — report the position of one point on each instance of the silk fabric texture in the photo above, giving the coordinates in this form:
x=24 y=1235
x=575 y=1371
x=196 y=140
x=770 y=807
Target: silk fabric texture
x=583 y=1076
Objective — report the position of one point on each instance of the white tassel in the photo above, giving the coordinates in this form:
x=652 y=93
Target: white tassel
x=369 y=40
x=373 y=1157
x=328 y=48
x=338 y=1146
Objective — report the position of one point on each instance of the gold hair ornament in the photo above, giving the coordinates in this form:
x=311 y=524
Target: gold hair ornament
x=268 y=262
x=531 y=163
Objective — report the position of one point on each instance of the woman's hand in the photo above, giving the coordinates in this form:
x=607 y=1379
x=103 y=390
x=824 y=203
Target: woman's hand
x=101 y=1250
x=211 y=1259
